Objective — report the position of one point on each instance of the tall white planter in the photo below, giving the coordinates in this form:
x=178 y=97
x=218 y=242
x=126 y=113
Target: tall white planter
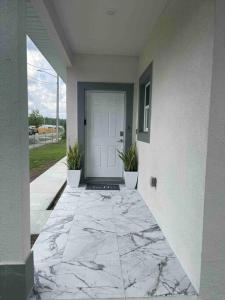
x=130 y=179
x=73 y=178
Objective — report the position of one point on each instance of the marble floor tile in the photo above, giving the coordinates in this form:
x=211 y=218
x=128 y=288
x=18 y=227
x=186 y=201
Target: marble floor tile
x=45 y=286
x=148 y=275
x=97 y=293
x=49 y=247
x=91 y=248
x=105 y=245
x=59 y=222
x=99 y=277
x=51 y=243
x=126 y=224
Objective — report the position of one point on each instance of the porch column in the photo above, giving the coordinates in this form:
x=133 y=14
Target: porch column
x=71 y=106
x=213 y=250
x=16 y=261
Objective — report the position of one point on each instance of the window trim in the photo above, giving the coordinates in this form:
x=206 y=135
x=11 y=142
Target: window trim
x=146 y=108
x=145 y=79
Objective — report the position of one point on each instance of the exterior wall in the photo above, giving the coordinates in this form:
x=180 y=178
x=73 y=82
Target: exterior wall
x=95 y=68
x=180 y=47
x=16 y=259
x=14 y=175
x=213 y=250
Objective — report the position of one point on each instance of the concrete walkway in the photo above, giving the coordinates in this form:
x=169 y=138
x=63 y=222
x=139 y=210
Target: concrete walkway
x=42 y=192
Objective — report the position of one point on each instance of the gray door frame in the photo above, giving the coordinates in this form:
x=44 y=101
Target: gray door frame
x=82 y=87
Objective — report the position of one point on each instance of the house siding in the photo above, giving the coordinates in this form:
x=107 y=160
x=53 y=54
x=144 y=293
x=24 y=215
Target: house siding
x=180 y=47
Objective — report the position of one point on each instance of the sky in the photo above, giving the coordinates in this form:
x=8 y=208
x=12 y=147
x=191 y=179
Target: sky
x=42 y=86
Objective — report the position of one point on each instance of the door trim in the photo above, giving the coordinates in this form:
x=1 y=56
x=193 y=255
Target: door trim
x=82 y=87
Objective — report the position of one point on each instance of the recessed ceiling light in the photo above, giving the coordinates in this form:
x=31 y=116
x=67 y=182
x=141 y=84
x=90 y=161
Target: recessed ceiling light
x=111 y=12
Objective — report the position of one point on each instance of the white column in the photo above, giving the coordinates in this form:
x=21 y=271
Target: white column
x=71 y=106
x=14 y=173
x=213 y=250
x=57 y=109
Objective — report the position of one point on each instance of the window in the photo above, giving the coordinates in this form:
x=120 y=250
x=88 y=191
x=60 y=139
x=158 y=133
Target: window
x=146 y=107
x=144 y=118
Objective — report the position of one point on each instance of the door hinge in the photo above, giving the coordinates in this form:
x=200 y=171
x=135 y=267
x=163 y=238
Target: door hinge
x=85 y=122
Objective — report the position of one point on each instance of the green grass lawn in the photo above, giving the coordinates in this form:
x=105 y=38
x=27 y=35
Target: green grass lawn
x=44 y=157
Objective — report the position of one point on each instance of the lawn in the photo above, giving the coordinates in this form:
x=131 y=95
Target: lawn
x=44 y=157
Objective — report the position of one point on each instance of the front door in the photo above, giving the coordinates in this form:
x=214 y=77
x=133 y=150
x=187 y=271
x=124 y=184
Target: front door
x=104 y=133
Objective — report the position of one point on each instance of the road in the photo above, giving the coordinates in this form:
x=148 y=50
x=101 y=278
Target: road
x=38 y=140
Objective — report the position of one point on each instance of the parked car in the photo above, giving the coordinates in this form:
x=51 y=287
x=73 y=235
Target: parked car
x=34 y=129
x=30 y=130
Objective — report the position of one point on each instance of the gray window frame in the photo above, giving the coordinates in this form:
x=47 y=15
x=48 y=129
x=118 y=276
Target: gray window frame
x=146 y=107
x=146 y=77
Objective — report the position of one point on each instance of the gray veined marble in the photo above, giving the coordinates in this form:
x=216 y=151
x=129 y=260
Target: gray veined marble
x=105 y=245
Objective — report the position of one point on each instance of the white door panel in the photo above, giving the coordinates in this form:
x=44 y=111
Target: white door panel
x=105 y=120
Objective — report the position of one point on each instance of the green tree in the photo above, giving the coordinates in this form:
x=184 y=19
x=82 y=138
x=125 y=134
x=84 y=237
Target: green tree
x=35 y=118
x=52 y=121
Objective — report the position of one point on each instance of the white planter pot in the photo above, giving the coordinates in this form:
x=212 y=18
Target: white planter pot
x=130 y=179
x=73 y=178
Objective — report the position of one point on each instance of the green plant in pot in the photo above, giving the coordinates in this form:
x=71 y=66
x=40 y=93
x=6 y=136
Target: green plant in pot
x=130 y=162
x=73 y=162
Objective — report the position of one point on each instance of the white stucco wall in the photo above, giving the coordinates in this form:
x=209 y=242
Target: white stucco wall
x=14 y=150
x=181 y=48
x=213 y=250
x=95 y=68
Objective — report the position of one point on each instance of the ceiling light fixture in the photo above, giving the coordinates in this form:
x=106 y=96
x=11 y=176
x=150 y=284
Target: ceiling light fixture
x=111 y=12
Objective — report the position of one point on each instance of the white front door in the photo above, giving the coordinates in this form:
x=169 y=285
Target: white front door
x=104 y=114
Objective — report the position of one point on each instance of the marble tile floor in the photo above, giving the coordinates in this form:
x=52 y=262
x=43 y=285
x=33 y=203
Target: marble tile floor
x=105 y=245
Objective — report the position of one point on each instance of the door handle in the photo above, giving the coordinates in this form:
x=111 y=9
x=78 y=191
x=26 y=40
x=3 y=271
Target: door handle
x=120 y=141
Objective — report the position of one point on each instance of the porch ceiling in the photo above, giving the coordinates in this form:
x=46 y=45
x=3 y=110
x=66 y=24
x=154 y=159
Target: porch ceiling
x=39 y=34
x=105 y=26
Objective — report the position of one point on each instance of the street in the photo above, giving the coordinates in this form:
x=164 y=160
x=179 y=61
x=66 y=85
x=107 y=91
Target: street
x=37 y=140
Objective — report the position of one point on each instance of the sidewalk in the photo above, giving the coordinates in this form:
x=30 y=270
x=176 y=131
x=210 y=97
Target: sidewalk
x=43 y=190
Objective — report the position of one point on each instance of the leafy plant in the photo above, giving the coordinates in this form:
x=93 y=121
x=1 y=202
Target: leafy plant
x=129 y=159
x=73 y=158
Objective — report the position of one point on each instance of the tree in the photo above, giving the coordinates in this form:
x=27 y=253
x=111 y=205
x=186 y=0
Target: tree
x=52 y=121
x=35 y=118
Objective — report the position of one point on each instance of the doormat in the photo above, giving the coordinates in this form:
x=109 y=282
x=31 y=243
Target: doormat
x=101 y=186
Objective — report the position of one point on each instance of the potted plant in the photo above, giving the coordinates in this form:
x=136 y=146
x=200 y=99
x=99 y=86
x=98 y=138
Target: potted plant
x=130 y=162
x=73 y=165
